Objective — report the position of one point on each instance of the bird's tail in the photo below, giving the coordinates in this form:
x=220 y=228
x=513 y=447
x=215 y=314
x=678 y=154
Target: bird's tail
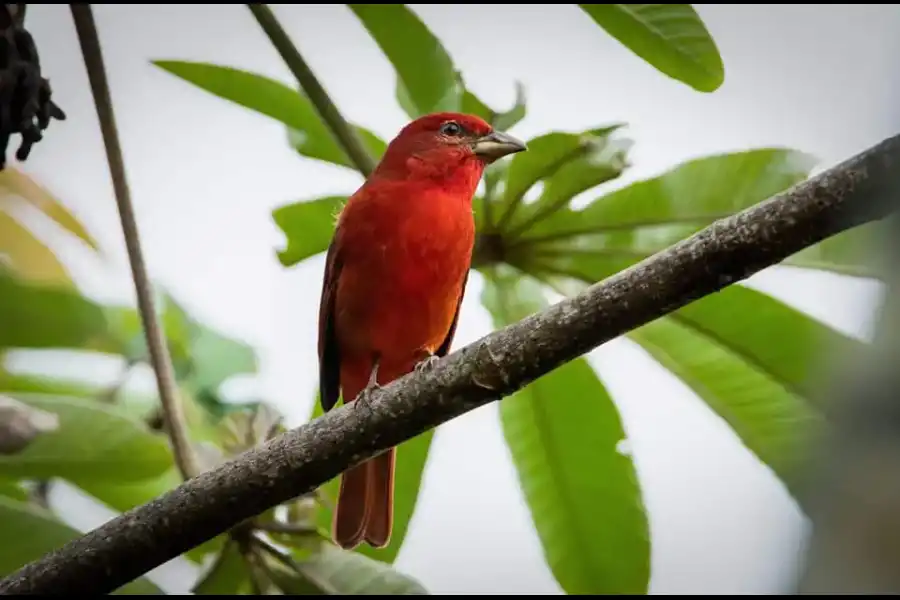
x=365 y=505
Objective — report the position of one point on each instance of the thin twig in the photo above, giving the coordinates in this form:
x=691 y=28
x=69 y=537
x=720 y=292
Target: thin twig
x=493 y=367
x=159 y=351
x=345 y=134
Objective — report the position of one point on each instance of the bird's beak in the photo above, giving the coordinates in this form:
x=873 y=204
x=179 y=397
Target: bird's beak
x=497 y=145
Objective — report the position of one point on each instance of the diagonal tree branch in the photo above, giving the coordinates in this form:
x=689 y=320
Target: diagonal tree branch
x=731 y=249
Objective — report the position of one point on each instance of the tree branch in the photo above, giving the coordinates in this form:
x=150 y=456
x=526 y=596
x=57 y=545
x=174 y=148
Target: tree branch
x=345 y=134
x=176 y=426
x=495 y=366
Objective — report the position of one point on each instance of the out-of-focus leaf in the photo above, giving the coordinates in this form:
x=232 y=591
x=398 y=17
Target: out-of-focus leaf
x=12 y=489
x=546 y=155
x=670 y=37
x=307 y=226
x=851 y=252
x=501 y=121
x=33 y=316
x=307 y=133
x=410 y=465
x=774 y=423
x=21 y=424
x=10 y=382
x=16 y=183
x=202 y=357
x=563 y=431
x=30 y=532
x=334 y=571
x=426 y=79
x=93 y=442
x=228 y=575
x=27 y=256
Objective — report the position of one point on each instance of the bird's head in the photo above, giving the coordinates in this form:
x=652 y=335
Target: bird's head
x=445 y=144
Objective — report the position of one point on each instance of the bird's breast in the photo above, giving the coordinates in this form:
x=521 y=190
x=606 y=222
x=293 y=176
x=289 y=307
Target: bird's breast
x=400 y=286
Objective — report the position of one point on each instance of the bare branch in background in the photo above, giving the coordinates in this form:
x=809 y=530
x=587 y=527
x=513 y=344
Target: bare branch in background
x=172 y=408
x=495 y=366
x=346 y=136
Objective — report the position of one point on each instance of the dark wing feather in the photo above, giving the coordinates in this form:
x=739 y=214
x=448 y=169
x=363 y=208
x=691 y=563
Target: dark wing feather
x=445 y=345
x=329 y=353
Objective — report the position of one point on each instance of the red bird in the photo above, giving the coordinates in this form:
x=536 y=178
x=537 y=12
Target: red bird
x=395 y=275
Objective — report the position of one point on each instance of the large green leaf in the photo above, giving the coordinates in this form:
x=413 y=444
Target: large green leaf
x=334 y=571
x=33 y=316
x=93 y=442
x=426 y=79
x=772 y=421
x=629 y=224
x=546 y=155
x=671 y=37
x=412 y=456
x=30 y=532
x=307 y=226
x=308 y=133
x=584 y=496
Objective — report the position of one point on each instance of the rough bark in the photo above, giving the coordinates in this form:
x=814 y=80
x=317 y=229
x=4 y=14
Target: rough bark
x=495 y=366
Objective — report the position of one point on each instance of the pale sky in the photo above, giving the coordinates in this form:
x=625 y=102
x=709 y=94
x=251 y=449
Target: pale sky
x=206 y=174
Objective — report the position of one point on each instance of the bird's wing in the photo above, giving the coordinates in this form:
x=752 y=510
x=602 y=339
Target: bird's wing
x=329 y=352
x=448 y=340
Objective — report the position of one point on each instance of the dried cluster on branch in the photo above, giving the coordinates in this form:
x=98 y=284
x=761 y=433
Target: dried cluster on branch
x=25 y=104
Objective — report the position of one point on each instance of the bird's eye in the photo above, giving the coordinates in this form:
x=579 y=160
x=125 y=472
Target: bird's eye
x=451 y=128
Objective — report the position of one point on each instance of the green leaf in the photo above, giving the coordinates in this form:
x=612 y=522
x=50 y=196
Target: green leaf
x=16 y=183
x=30 y=532
x=426 y=79
x=774 y=423
x=13 y=489
x=33 y=316
x=670 y=37
x=228 y=575
x=546 y=156
x=28 y=257
x=93 y=442
x=629 y=224
x=722 y=348
x=501 y=121
x=851 y=252
x=563 y=431
x=603 y=162
x=308 y=227
x=332 y=570
x=307 y=132
x=412 y=457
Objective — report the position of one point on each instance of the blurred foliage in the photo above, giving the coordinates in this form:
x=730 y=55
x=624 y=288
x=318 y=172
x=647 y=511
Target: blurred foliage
x=745 y=354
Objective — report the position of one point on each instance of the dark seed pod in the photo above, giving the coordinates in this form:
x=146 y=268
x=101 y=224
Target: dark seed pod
x=25 y=104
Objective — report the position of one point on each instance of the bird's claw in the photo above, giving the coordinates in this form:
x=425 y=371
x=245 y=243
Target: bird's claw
x=364 y=398
x=426 y=364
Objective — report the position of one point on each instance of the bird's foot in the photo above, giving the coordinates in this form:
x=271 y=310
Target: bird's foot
x=364 y=398
x=426 y=364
